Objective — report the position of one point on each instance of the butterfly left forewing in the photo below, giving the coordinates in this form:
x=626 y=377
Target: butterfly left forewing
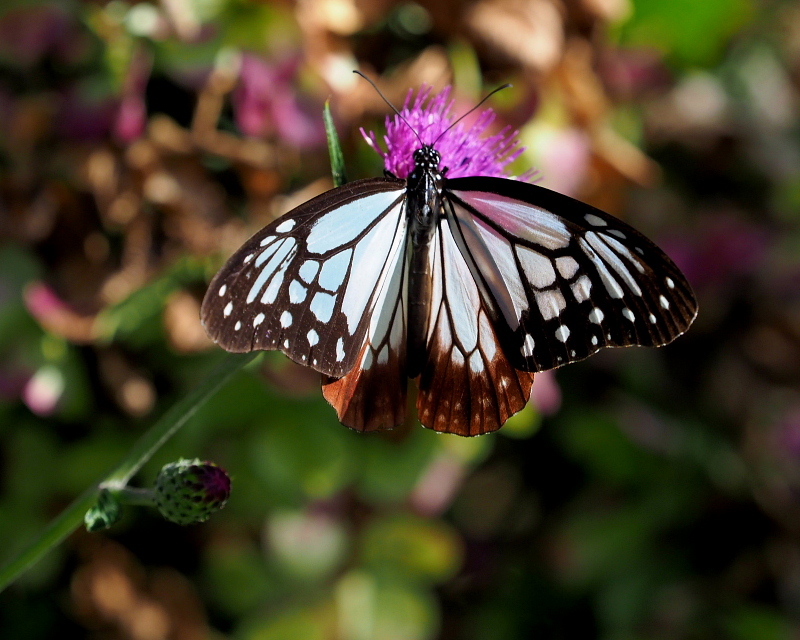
x=308 y=284
x=574 y=278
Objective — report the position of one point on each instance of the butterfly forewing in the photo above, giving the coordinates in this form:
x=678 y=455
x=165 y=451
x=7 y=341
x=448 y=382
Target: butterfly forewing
x=564 y=279
x=313 y=282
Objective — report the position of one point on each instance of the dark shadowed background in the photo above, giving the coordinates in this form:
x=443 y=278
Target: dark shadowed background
x=642 y=494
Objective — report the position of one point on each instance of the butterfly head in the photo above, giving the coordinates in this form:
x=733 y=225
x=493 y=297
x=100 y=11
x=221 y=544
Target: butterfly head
x=427 y=158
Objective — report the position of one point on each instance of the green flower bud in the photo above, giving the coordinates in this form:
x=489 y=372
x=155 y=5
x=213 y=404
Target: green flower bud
x=189 y=491
x=105 y=513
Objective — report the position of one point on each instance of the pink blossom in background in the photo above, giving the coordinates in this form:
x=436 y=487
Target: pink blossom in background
x=266 y=103
x=42 y=302
x=546 y=393
x=439 y=484
x=465 y=149
x=563 y=158
x=130 y=120
x=43 y=390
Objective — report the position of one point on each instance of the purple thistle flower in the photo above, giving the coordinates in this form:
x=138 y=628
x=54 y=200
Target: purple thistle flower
x=463 y=149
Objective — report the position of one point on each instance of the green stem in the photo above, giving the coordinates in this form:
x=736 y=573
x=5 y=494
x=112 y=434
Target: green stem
x=72 y=517
x=135 y=496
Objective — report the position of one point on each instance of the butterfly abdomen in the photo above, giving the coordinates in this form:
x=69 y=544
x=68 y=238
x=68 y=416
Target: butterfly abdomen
x=424 y=210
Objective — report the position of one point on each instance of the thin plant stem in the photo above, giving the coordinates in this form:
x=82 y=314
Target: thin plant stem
x=164 y=428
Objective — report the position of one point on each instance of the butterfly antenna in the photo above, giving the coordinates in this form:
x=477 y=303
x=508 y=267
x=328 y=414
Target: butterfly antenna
x=489 y=95
x=386 y=100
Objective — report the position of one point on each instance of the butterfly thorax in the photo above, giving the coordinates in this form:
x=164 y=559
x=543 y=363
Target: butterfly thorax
x=424 y=207
x=424 y=195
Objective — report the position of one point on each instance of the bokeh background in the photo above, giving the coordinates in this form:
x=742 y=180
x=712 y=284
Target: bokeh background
x=642 y=494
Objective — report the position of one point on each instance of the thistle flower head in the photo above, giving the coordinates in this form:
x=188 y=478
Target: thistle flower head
x=464 y=149
x=189 y=491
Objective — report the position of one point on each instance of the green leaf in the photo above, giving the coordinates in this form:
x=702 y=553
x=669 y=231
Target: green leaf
x=334 y=147
x=689 y=33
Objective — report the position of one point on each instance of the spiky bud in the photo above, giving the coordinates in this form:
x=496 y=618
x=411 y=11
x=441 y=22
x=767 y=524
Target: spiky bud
x=189 y=491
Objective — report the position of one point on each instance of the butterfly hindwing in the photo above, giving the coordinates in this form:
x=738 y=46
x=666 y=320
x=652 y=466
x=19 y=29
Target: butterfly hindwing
x=313 y=282
x=373 y=394
x=564 y=279
x=467 y=385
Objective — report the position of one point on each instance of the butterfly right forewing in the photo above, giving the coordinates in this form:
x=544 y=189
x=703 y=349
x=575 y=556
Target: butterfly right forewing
x=310 y=283
x=564 y=279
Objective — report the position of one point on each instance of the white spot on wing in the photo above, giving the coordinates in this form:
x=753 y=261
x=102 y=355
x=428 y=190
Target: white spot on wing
x=652 y=319
x=265 y=241
x=334 y=270
x=286 y=319
x=258 y=319
x=313 y=337
x=238 y=325
x=228 y=309
x=562 y=333
x=476 y=362
x=670 y=284
x=551 y=303
x=222 y=290
x=308 y=270
x=594 y=220
x=628 y=314
x=339 y=350
x=596 y=315
x=567 y=266
x=285 y=226
x=538 y=268
x=594 y=340
x=581 y=288
x=248 y=258
x=527 y=346
x=322 y=305
x=664 y=302
x=297 y=292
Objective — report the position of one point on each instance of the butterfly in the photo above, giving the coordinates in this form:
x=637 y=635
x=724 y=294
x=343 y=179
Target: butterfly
x=471 y=285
